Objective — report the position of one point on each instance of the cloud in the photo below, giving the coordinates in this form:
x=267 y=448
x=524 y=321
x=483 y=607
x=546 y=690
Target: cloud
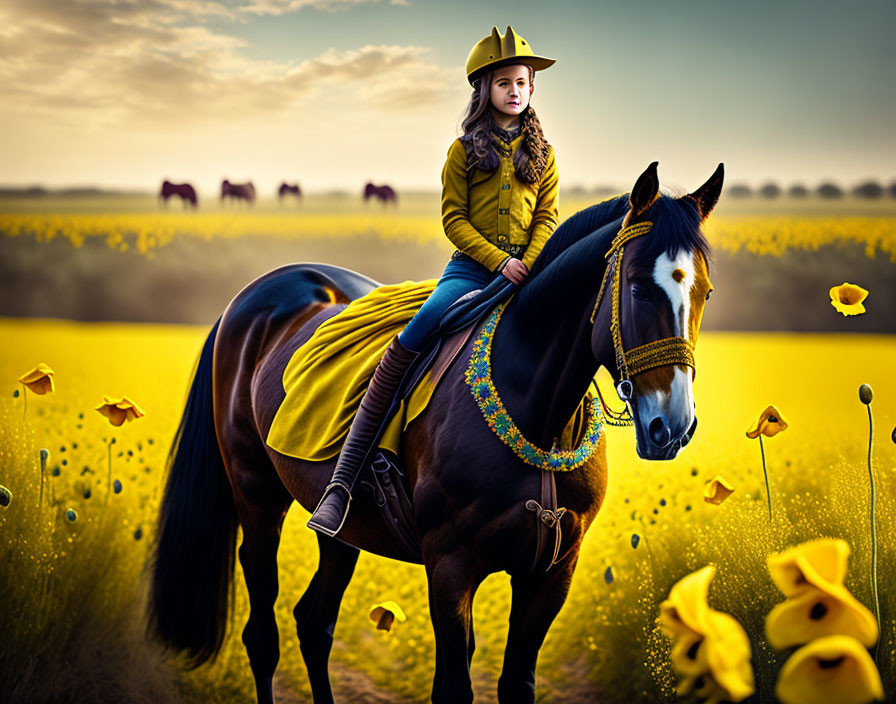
x=111 y=64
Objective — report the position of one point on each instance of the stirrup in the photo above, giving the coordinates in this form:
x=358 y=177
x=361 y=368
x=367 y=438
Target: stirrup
x=325 y=530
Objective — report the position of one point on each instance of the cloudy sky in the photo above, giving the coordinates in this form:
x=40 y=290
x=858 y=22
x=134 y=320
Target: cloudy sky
x=331 y=93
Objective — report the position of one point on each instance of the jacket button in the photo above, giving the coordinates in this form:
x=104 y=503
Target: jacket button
x=502 y=238
x=503 y=211
x=505 y=186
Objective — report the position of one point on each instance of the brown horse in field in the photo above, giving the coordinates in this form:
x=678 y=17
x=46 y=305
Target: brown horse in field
x=386 y=194
x=186 y=192
x=621 y=284
x=286 y=189
x=237 y=191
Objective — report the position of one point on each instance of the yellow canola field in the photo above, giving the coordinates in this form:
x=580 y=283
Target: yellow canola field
x=604 y=646
x=770 y=234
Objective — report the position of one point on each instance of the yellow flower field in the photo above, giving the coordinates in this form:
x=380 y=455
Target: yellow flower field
x=772 y=233
x=73 y=590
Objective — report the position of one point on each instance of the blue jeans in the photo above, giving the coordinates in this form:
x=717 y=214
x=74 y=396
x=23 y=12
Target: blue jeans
x=462 y=275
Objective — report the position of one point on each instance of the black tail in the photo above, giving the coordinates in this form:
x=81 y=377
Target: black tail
x=192 y=566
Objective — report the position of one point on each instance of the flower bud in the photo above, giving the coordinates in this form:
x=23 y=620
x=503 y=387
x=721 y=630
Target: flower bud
x=865 y=394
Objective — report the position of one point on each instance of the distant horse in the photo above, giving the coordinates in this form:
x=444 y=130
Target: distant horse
x=186 y=192
x=237 y=191
x=621 y=284
x=385 y=193
x=285 y=189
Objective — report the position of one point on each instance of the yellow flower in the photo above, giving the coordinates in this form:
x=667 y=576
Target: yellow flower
x=716 y=491
x=817 y=563
x=711 y=651
x=811 y=576
x=830 y=669
x=815 y=613
x=770 y=423
x=728 y=654
x=847 y=298
x=386 y=614
x=119 y=410
x=685 y=612
x=39 y=380
x=689 y=656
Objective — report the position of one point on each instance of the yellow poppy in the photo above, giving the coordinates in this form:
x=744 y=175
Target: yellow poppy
x=847 y=298
x=685 y=612
x=716 y=491
x=119 y=410
x=830 y=669
x=689 y=655
x=705 y=689
x=39 y=380
x=711 y=651
x=386 y=614
x=814 y=614
x=817 y=563
x=770 y=423
x=728 y=654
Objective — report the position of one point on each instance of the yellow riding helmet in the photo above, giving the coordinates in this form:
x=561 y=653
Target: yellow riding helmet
x=499 y=50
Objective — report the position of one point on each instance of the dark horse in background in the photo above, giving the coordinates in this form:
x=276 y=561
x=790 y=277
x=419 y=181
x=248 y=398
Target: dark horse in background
x=469 y=489
x=385 y=193
x=237 y=191
x=186 y=192
x=285 y=190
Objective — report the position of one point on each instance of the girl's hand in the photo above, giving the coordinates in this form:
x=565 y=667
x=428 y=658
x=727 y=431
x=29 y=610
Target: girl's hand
x=515 y=270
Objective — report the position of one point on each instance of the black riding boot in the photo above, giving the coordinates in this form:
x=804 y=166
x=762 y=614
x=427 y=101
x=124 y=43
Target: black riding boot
x=330 y=513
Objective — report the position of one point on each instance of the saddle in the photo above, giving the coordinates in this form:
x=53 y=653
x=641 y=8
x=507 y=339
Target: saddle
x=382 y=471
x=385 y=476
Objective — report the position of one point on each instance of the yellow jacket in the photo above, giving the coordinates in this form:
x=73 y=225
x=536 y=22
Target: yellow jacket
x=500 y=214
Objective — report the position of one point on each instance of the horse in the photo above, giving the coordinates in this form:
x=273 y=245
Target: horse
x=621 y=284
x=385 y=193
x=286 y=189
x=186 y=192
x=238 y=191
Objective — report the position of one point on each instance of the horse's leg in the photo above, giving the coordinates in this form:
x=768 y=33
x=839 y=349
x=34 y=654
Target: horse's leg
x=262 y=522
x=537 y=599
x=451 y=590
x=317 y=610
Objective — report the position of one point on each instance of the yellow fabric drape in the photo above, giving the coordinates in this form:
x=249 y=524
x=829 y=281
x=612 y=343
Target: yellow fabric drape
x=327 y=376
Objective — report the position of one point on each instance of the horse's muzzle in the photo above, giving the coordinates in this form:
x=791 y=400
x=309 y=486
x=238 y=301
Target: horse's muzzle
x=660 y=445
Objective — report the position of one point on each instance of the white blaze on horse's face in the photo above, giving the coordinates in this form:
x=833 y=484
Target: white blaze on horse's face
x=665 y=407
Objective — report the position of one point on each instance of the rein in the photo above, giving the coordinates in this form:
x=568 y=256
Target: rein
x=669 y=350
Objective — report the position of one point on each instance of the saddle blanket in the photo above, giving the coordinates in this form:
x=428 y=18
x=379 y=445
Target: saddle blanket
x=326 y=377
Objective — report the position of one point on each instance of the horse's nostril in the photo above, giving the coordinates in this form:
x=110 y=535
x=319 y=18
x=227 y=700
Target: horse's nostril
x=659 y=432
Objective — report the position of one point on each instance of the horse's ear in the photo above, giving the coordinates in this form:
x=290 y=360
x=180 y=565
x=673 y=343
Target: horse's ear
x=707 y=195
x=646 y=190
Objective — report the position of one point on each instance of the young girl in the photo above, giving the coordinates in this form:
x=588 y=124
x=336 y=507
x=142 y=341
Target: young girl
x=499 y=206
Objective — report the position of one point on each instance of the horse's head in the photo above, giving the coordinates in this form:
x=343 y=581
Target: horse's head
x=652 y=302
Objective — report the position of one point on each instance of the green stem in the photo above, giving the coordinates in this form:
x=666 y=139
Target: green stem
x=647 y=545
x=765 y=472
x=109 y=475
x=40 y=499
x=873 y=536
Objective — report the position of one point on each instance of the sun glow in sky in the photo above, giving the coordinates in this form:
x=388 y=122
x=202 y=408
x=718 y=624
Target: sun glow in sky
x=332 y=93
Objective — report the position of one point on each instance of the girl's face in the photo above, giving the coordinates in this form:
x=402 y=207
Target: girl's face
x=510 y=91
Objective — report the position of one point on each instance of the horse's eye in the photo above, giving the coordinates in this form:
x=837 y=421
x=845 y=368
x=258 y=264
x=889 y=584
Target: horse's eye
x=641 y=292
x=708 y=294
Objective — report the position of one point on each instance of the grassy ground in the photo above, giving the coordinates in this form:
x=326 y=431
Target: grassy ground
x=604 y=646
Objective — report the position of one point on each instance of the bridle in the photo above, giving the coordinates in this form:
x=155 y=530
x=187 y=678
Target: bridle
x=668 y=350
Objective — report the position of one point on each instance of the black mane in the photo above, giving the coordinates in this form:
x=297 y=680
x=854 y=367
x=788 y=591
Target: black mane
x=676 y=227
x=578 y=226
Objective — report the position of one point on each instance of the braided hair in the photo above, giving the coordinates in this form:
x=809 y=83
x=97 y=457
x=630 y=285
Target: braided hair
x=480 y=143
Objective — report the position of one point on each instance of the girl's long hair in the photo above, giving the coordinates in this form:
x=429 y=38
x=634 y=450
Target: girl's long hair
x=478 y=139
